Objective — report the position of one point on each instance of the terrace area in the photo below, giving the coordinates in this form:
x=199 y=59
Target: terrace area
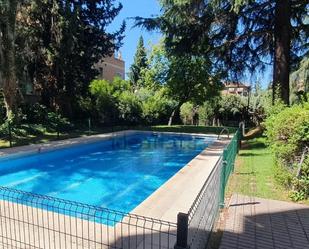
x=253 y=222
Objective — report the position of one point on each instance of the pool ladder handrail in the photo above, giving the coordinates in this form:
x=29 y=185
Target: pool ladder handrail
x=224 y=129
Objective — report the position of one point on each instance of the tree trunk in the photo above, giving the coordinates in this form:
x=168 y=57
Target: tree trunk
x=282 y=40
x=174 y=112
x=170 y=120
x=7 y=30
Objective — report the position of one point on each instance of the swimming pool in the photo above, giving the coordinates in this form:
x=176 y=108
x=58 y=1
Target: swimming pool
x=117 y=173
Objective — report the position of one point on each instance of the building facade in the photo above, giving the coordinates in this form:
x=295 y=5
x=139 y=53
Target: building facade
x=110 y=67
x=236 y=88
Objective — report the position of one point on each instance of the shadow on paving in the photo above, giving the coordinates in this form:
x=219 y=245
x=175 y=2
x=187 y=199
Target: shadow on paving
x=250 y=223
x=266 y=229
x=141 y=239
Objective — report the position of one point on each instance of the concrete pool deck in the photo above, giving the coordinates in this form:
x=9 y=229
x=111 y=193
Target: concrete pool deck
x=174 y=196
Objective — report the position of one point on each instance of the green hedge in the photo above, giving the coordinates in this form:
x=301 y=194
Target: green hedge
x=287 y=130
x=190 y=129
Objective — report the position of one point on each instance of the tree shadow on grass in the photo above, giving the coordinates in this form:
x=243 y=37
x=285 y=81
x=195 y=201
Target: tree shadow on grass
x=250 y=154
x=245 y=173
x=255 y=145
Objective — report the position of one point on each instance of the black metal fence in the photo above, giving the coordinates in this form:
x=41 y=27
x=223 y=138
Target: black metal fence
x=36 y=221
x=204 y=210
x=195 y=227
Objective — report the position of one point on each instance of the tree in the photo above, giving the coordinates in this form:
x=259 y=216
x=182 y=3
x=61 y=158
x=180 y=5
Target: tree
x=187 y=113
x=8 y=10
x=238 y=35
x=139 y=64
x=260 y=100
x=130 y=108
x=300 y=81
x=208 y=112
x=115 y=101
x=62 y=42
x=190 y=78
x=155 y=75
x=105 y=101
x=156 y=104
x=184 y=77
x=232 y=108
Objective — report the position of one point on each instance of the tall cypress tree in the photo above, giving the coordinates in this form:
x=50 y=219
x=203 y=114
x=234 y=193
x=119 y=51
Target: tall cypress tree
x=139 y=64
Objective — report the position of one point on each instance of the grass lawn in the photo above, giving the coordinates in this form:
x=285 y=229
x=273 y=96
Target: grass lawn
x=34 y=134
x=255 y=172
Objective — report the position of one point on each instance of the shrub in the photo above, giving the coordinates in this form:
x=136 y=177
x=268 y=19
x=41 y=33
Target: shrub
x=287 y=131
x=129 y=107
x=156 y=105
x=231 y=109
x=187 y=113
x=283 y=176
x=207 y=112
x=301 y=183
x=38 y=114
x=105 y=101
x=35 y=114
x=56 y=122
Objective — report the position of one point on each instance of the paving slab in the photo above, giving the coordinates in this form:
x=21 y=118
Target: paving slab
x=254 y=222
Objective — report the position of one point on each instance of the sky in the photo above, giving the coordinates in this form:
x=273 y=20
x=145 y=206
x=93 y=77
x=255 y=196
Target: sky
x=132 y=8
x=148 y=8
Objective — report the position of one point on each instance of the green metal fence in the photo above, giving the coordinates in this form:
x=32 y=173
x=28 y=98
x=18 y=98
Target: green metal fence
x=229 y=156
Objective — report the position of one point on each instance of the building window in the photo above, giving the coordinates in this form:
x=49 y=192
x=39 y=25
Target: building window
x=119 y=75
x=101 y=72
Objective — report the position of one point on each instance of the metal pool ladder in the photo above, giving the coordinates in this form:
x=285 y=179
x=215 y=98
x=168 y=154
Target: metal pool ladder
x=224 y=129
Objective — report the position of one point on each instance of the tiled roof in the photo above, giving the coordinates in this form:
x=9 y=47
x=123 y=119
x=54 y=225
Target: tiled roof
x=235 y=84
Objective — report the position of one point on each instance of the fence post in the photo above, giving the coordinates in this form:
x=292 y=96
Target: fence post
x=182 y=231
x=239 y=138
x=10 y=133
x=89 y=126
x=223 y=177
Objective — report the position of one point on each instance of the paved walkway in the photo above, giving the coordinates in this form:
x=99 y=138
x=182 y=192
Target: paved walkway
x=258 y=223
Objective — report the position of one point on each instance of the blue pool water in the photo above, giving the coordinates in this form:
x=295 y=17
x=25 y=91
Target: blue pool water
x=118 y=173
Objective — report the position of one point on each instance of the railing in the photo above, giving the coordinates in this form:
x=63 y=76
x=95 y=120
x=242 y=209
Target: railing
x=223 y=130
x=35 y=221
x=204 y=210
x=194 y=228
x=29 y=220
